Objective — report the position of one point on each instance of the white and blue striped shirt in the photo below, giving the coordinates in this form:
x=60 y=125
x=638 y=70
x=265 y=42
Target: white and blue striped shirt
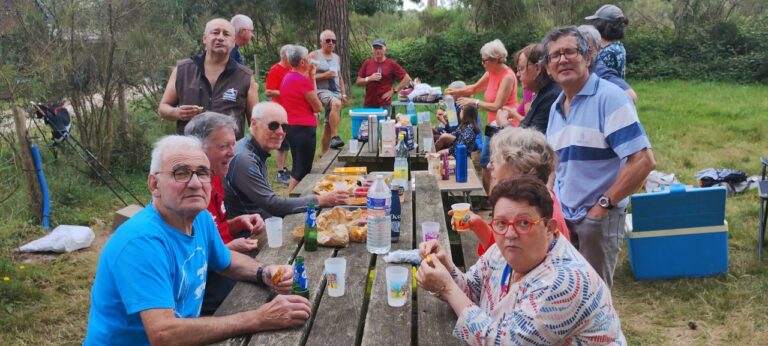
x=592 y=143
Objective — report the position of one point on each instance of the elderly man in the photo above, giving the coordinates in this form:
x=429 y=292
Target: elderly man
x=604 y=153
x=598 y=66
x=377 y=75
x=330 y=89
x=247 y=186
x=217 y=132
x=210 y=81
x=243 y=34
x=272 y=89
x=150 y=279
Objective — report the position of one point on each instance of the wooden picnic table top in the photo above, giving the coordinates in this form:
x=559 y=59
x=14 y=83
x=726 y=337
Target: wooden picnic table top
x=473 y=183
x=357 y=318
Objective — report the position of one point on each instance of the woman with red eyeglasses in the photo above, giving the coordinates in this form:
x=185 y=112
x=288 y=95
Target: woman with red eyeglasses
x=531 y=287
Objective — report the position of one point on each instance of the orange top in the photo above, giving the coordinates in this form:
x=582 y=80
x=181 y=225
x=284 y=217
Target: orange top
x=494 y=81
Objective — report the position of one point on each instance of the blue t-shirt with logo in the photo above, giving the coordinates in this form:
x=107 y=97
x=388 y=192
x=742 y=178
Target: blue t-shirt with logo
x=147 y=264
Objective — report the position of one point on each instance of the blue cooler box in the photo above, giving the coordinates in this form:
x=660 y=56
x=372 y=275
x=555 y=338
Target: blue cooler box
x=678 y=233
x=358 y=115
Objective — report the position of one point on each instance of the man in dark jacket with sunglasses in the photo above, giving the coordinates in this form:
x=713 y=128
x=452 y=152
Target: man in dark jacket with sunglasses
x=246 y=185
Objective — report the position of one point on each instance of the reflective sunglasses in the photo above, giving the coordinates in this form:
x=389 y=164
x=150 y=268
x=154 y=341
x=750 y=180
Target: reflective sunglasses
x=272 y=126
x=330 y=40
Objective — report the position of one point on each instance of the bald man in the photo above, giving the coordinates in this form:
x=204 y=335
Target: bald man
x=210 y=81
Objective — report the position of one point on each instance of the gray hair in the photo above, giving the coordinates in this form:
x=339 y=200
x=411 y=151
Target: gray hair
x=172 y=142
x=296 y=54
x=581 y=43
x=592 y=35
x=208 y=25
x=457 y=84
x=326 y=32
x=203 y=124
x=241 y=21
x=525 y=150
x=261 y=109
x=284 y=50
x=494 y=50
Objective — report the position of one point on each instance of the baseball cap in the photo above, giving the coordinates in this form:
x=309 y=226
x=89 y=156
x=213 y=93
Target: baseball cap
x=607 y=12
x=379 y=42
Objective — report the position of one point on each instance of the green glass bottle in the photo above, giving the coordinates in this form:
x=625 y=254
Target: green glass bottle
x=310 y=229
x=300 y=285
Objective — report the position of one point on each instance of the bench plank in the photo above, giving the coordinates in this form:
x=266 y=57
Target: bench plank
x=435 y=317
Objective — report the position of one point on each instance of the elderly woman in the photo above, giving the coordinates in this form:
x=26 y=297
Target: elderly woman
x=534 y=77
x=516 y=152
x=500 y=86
x=217 y=132
x=610 y=21
x=532 y=287
x=298 y=94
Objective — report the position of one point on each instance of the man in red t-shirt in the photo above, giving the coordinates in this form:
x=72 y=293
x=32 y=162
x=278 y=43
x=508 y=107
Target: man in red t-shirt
x=274 y=79
x=377 y=74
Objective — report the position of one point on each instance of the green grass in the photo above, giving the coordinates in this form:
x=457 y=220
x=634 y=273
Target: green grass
x=691 y=125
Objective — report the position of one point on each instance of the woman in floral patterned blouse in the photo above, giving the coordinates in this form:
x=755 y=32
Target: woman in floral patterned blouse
x=610 y=21
x=532 y=287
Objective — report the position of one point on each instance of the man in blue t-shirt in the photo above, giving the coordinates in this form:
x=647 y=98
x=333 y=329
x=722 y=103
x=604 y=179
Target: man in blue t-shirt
x=604 y=154
x=151 y=275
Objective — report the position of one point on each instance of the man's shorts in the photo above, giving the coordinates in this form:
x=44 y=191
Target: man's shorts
x=326 y=97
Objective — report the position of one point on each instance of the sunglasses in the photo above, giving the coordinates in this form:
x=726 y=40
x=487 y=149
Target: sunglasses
x=272 y=126
x=330 y=40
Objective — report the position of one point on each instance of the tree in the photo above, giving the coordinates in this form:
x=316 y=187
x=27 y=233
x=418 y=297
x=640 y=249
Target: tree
x=334 y=15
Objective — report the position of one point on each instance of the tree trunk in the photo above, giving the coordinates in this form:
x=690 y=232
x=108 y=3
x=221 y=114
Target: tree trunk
x=334 y=15
x=27 y=162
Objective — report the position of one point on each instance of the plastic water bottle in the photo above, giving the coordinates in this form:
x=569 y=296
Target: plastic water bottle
x=461 y=163
x=379 y=221
x=401 y=163
x=395 y=215
x=450 y=111
x=410 y=109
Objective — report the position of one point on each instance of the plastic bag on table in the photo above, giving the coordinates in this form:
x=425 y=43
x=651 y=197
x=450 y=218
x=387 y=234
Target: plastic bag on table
x=403 y=256
x=64 y=238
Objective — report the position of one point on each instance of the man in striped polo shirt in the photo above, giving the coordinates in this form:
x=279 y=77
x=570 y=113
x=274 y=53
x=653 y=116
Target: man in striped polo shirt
x=604 y=153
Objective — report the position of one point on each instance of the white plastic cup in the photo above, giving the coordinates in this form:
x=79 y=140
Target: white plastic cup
x=430 y=230
x=340 y=186
x=397 y=286
x=353 y=146
x=274 y=231
x=335 y=272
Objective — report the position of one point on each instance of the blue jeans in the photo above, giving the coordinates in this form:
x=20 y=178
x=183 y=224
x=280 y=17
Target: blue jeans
x=485 y=154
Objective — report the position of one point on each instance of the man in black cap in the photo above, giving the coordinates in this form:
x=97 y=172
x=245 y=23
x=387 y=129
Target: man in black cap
x=377 y=75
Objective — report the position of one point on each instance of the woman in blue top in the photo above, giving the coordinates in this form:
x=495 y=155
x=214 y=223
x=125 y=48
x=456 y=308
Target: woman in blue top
x=610 y=21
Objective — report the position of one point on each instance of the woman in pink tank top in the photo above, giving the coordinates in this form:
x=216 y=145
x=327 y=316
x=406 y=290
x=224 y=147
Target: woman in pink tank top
x=499 y=85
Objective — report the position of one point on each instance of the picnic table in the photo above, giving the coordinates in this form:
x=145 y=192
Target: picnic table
x=361 y=316
x=365 y=157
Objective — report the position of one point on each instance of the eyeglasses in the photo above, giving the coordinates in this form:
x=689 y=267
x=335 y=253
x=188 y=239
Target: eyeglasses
x=184 y=174
x=523 y=68
x=272 y=126
x=521 y=225
x=569 y=54
x=489 y=60
x=330 y=40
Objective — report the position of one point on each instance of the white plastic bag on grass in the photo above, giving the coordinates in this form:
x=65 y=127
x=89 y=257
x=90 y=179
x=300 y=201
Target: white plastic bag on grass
x=64 y=238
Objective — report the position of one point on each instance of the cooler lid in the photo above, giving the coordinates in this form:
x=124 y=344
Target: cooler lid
x=678 y=207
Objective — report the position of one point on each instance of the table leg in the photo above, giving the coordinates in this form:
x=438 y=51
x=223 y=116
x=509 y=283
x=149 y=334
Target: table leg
x=761 y=234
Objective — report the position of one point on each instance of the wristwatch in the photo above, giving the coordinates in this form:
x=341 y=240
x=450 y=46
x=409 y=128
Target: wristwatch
x=605 y=202
x=259 y=279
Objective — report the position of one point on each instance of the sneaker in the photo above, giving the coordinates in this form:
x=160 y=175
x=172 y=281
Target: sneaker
x=283 y=176
x=336 y=142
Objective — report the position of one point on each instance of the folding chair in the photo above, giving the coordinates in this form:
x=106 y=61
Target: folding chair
x=762 y=189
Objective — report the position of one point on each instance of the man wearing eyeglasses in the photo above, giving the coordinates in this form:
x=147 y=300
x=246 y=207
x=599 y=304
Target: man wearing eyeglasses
x=330 y=89
x=210 y=81
x=151 y=275
x=246 y=185
x=603 y=151
x=243 y=35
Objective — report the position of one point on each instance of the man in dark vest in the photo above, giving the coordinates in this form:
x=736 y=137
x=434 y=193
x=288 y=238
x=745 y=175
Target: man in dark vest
x=210 y=81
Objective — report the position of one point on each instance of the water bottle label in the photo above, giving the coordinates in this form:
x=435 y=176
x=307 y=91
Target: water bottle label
x=311 y=219
x=377 y=203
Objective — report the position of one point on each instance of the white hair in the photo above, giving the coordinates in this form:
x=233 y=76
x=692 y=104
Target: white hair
x=325 y=33
x=171 y=142
x=592 y=35
x=284 y=50
x=262 y=108
x=494 y=50
x=208 y=25
x=296 y=54
x=241 y=21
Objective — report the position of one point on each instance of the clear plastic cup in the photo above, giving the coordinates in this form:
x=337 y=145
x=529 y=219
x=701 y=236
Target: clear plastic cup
x=461 y=216
x=274 y=231
x=427 y=144
x=353 y=146
x=335 y=273
x=430 y=230
x=397 y=286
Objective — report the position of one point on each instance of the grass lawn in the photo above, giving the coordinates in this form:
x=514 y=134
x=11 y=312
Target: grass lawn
x=45 y=299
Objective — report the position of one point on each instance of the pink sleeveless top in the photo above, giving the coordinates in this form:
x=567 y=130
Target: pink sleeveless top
x=494 y=81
